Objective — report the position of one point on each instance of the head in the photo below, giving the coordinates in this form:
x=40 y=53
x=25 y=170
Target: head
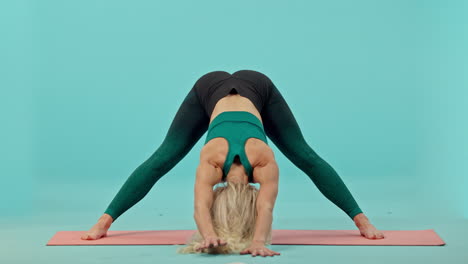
x=237 y=173
x=233 y=214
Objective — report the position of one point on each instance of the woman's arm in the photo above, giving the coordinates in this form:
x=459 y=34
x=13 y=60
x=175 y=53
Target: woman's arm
x=206 y=178
x=267 y=176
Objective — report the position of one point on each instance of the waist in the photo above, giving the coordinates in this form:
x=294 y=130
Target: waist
x=236 y=116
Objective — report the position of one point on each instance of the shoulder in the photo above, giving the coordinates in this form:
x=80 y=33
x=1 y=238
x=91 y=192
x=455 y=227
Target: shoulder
x=214 y=152
x=258 y=152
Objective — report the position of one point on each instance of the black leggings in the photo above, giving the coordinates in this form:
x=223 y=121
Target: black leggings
x=191 y=122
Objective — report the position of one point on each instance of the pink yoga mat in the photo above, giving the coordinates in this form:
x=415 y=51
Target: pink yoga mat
x=280 y=237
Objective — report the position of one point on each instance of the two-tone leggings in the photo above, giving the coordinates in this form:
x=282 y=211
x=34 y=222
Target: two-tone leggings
x=191 y=122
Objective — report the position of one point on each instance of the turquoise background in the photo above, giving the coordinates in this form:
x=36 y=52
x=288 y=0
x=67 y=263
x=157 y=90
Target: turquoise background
x=89 y=89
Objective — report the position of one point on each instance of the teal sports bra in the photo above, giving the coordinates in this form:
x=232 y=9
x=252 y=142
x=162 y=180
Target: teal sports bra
x=236 y=127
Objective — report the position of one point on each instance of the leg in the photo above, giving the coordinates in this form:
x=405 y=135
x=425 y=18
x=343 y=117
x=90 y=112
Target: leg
x=281 y=127
x=189 y=124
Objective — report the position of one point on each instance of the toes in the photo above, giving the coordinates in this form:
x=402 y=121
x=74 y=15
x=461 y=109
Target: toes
x=87 y=236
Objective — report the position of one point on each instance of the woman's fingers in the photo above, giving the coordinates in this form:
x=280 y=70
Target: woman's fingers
x=222 y=242
x=211 y=242
x=259 y=252
x=265 y=253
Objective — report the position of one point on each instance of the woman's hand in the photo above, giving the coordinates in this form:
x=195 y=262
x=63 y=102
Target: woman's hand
x=211 y=241
x=258 y=249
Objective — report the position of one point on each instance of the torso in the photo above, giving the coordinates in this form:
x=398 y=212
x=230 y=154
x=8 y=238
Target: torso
x=257 y=151
x=234 y=102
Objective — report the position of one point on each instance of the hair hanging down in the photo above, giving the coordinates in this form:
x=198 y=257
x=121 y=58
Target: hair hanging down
x=233 y=215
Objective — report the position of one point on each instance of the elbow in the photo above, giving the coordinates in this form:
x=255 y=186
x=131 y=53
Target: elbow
x=196 y=215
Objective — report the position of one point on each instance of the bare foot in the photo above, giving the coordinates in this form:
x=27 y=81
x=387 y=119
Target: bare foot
x=99 y=229
x=366 y=229
x=370 y=232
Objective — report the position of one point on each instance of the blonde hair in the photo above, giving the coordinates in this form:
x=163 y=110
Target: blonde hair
x=234 y=216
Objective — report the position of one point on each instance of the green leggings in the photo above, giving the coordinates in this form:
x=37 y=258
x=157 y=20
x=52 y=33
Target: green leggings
x=191 y=122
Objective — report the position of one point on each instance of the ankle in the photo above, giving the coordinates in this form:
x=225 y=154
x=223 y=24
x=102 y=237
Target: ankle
x=105 y=219
x=361 y=219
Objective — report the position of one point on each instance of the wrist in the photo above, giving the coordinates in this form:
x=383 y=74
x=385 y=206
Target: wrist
x=208 y=234
x=205 y=228
x=258 y=241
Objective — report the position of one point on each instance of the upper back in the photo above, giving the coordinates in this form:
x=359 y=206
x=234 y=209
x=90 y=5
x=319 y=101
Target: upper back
x=215 y=152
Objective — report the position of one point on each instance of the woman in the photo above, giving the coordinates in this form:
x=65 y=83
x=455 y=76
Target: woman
x=255 y=95
x=236 y=215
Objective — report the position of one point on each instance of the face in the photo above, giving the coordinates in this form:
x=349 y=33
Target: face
x=237 y=173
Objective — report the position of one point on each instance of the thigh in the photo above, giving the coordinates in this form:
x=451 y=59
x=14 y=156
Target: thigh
x=279 y=122
x=189 y=124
